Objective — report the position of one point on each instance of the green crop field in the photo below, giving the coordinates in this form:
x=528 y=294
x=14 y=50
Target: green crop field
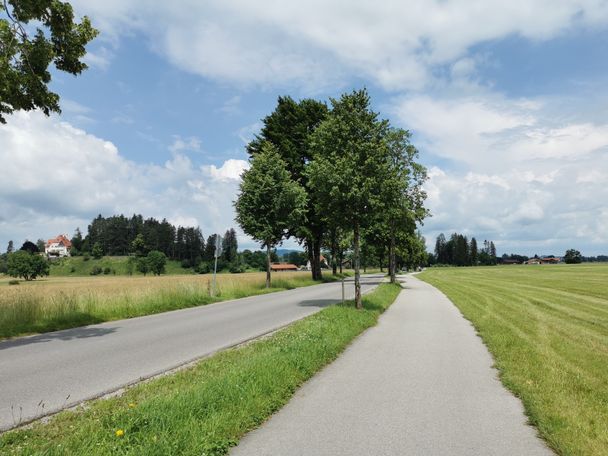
x=547 y=328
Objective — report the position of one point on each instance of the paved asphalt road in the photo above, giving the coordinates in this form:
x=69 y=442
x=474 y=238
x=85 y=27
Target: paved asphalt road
x=63 y=368
x=419 y=383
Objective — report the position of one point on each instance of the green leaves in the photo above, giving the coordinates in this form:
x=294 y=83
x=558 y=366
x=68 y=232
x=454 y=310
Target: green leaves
x=269 y=201
x=27 y=265
x=24 y=59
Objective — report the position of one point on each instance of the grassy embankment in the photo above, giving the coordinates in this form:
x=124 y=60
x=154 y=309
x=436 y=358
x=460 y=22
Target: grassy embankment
x=206 y=409
x=67 y=302
x=547 y=328
x=115 y=265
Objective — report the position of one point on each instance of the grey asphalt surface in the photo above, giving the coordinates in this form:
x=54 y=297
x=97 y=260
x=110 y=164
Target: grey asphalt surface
x=45 y=373
x=419 y=383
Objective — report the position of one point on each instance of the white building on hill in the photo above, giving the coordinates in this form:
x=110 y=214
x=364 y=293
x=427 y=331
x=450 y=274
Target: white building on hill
x=58 y=247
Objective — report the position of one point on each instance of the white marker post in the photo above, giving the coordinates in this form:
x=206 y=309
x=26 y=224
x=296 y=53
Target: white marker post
x=218 y=251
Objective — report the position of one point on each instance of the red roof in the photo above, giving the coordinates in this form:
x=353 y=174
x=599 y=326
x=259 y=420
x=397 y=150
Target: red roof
x=61 y=239
x=283 y=267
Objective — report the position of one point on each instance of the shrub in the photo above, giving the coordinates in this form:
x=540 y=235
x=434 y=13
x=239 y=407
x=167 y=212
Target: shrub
x=186 y=263
x=97 y=251
x=203 y=268
x=86 y=257
x=73 y=269
x=96 y=271
x=236 y=269
x=157 y=261
x=13 y=282
x=107 y=270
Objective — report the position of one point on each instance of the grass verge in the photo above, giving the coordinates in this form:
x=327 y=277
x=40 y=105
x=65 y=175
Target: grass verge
x=61 y=303
x=547 y=328
x=206 y=409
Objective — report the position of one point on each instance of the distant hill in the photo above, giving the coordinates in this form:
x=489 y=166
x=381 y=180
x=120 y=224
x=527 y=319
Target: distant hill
x=282 y=252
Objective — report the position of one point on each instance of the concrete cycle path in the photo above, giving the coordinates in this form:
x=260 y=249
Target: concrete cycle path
x=419 y=383
x=48 y=372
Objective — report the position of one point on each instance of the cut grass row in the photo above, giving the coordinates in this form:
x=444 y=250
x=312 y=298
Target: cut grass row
x=61 y=303
x=547 y=328
x=205 y=409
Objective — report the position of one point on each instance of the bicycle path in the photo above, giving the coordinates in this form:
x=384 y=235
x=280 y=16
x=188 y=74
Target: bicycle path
x=419 y=383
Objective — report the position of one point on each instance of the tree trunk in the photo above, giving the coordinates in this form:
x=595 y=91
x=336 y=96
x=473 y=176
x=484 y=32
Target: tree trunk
x=313 y=249
x=358 y=302
x=341 y=257
x=334 y=253
x=316 y=259
x=268 y=265
x=391 y=259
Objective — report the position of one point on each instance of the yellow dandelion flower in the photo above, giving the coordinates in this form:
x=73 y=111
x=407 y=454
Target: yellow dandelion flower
x=131 y=405
x=119 y=433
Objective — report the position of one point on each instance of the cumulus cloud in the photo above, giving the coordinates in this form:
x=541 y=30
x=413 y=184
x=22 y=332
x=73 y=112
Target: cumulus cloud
x=57 y=177
x=315 y=43
x=230 y=170
x=515 y=174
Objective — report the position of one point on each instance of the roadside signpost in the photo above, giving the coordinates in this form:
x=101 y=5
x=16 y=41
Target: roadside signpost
x=218 y=252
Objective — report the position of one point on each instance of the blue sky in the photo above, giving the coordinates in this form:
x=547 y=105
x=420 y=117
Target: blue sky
x=506 y=103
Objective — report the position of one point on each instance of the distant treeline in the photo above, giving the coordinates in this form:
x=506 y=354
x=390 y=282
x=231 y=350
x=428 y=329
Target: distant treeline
x=459 y=251
x=595 y=259
x=119 y=235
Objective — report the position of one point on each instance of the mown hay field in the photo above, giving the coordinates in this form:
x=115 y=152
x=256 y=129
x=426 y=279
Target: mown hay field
x=547 y=328
x=63 y=302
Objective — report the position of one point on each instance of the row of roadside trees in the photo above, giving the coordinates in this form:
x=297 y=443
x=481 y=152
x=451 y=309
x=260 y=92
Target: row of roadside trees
x=328 y=174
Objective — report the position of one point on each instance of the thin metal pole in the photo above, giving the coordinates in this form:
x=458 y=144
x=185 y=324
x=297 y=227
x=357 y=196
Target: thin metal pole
x=342 y=290
x=215 y=267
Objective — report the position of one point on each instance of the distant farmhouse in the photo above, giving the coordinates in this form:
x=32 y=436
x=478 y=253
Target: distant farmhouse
x=58 y=247
x=546 y=260
x=322 y=261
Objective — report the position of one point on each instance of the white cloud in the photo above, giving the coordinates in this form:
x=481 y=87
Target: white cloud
x=230 y=170
x=314 y=43
x=57 y=177
x=99 y=58
x=185 y=144
x=515 y=174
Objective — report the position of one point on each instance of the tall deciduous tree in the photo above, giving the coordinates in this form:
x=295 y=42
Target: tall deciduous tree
x=573 y=256
x=25 y=57
x=349 y=167
x=402 y=194
x=289 y=128
x=269 y=201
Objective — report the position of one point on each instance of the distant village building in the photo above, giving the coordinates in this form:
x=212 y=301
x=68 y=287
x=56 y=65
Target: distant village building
x=550 y=260
x=58 y=247
x=278 y=267
x=323 y=262
x=546 y=260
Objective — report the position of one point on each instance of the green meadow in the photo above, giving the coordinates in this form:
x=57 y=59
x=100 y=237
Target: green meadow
x=547 y=328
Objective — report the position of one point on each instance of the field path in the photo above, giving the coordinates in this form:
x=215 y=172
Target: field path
x=419 y=383
x=45 y=373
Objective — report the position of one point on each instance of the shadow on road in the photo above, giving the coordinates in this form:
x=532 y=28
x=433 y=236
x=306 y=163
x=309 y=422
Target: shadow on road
x=68 y=334
x=319 y=302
